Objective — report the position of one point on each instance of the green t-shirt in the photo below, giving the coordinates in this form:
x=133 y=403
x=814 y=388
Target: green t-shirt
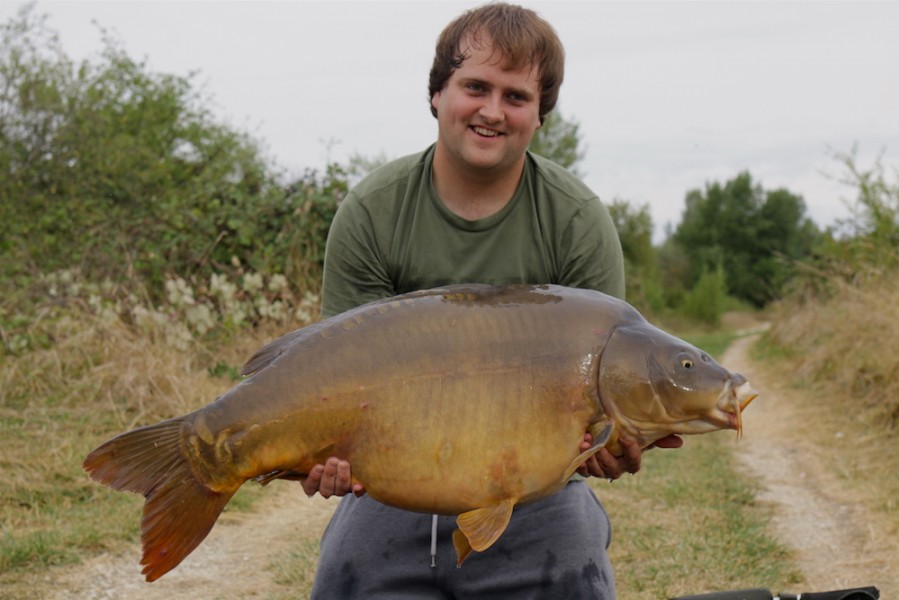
x=392 y=235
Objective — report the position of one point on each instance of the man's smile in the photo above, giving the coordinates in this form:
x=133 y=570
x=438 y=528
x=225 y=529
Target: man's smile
x=484 y=131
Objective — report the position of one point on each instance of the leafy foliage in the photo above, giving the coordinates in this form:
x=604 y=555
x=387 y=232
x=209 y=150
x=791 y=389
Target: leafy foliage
x=749 y=232
x=848 y=291
x=558 y=139
x=634 y=226
x=120 y=172
x=705 y=302
x=867 y=240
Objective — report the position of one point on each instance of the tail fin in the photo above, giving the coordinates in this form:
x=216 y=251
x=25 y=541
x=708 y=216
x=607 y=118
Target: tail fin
x=179 y=511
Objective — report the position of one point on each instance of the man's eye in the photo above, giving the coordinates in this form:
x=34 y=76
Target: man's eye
x=475 y=87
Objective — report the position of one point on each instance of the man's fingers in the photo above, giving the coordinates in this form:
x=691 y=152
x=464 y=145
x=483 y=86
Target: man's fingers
x=609 y=465
x=589 y=468
x=334 y=478
x=630 y=460
x=313 y=480
x=604 y=464
x=343 y=476
x=588 y=441
x=329 y=481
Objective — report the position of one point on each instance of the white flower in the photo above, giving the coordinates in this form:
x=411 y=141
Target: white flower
x=200 y=318
x=224 y=289
x=179 y=293
x=277 y=283
x=252 y=282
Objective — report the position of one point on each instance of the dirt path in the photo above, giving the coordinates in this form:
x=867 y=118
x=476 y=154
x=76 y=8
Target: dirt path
x=233 y=562
x=817 y=514
x=837 y=544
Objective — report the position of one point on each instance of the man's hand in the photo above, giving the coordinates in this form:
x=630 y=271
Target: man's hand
x=331 y=479
x=603 y=464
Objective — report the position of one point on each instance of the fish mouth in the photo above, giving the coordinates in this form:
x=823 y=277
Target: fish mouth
x=732 y=403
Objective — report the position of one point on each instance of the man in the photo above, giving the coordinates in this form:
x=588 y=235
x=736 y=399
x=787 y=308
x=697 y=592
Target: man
x=474 y=207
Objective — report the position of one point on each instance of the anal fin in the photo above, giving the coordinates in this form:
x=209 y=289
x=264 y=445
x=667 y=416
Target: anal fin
x=482 y=527
x=463 y=548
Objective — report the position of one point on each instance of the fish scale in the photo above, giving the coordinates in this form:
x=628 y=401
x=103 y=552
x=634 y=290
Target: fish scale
x=464 y=400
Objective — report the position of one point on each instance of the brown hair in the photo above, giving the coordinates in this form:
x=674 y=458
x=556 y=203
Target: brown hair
x=520 y=35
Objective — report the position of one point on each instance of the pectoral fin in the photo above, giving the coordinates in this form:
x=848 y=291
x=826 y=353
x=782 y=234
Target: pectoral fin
x=481 y=528
x=599 y=440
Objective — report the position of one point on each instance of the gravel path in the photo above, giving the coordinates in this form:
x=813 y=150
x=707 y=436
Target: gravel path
x=837 y=543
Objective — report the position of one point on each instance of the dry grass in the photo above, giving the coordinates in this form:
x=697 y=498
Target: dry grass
x=850 y=342
x=845 y=348
x=689 y=522
x=99 y=377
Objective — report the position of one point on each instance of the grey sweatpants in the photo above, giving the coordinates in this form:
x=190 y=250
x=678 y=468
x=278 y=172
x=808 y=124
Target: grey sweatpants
x=553 y=548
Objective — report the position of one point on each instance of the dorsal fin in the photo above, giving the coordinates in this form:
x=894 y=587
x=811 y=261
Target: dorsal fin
x=268 y=353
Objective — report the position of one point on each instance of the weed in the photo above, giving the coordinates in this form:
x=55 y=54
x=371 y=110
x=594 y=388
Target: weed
x=296 y=569
x=686 y=512
x=112 y=363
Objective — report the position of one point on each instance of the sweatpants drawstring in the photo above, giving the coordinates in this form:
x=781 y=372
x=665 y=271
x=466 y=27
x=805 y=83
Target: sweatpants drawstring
x=433 y=540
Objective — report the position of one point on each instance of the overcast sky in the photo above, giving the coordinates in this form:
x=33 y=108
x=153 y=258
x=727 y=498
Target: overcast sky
x=669 y=95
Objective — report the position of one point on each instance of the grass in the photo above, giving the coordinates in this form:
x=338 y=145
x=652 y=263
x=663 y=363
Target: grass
x=689 y=523
x=848 y=343
x=843 y=351
x=97 y=379
x=295 y=570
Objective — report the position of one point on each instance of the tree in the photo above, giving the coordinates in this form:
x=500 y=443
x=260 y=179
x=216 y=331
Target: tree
x=120 y=171
x=634 y=226
x=751 y=233
x=559 y=140
x=871 y=233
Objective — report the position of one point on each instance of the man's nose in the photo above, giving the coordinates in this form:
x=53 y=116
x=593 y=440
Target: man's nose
x=491 y=109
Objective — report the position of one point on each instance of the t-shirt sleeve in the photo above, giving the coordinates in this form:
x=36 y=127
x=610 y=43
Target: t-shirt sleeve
x=593 y=257
x=354 y=271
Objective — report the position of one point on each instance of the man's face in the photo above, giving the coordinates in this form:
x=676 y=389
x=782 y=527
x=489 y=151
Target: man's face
x=487 y=114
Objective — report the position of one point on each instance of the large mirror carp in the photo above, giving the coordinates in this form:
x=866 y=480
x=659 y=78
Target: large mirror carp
x=464 y=400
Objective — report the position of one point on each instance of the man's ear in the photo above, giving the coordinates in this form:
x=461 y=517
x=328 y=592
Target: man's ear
x=435 y=99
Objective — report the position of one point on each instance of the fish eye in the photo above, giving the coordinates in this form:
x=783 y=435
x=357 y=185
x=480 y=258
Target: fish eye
x=686 y=362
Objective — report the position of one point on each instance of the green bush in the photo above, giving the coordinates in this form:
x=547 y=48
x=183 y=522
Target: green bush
x=124 y=175
x=213 y=308
x=705 y=302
